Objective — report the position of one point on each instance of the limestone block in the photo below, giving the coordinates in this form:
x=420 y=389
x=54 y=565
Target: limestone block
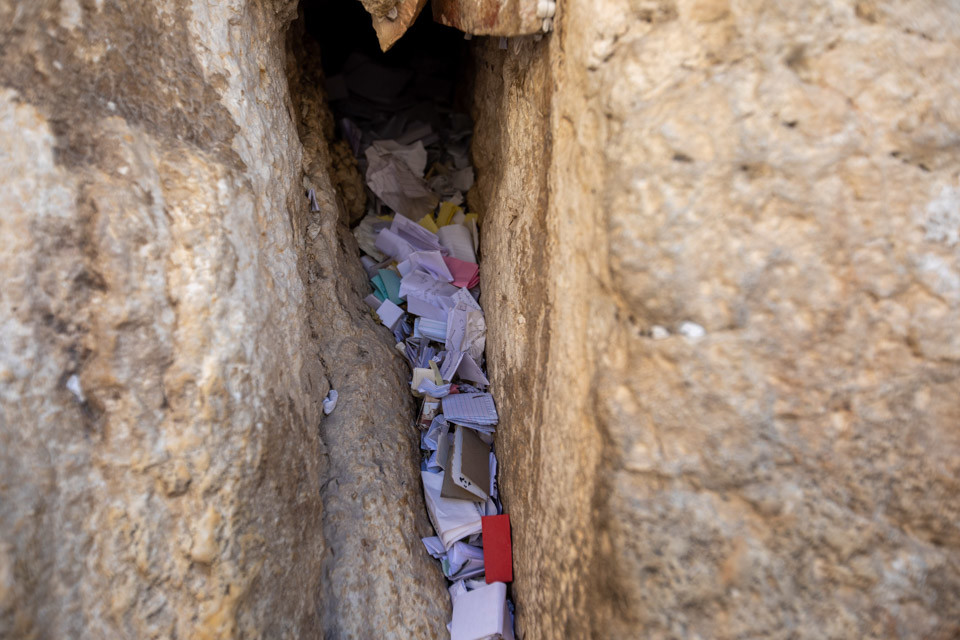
x=391 y=19
x=785 y=177
x=491 y=17
x=168 y=337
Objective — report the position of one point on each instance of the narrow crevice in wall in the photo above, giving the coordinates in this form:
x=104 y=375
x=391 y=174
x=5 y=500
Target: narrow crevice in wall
x=378 y=580
x=387 y=140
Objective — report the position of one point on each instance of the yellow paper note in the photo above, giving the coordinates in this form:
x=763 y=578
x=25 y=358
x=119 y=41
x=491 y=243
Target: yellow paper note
x=446 y=213
x=419 y=374
x=427 y=223
x=437 y=378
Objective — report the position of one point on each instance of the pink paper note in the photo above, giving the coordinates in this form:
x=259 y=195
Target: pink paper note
x=465 y=274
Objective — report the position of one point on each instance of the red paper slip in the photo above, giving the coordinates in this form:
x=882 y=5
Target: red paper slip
x=497 y=552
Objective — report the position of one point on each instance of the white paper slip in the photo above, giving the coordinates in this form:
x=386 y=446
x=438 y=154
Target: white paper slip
x=482 y=614
x=393 y=245
x=456 y=590
x=471 y=408
x=464 y=297
x=468 y=370
x=394 y=174
x=450 y=365
x=452 y=519
x=434 y=546
x=431 y=262
x=390 y=314
x=424 y=309
x=420 y=238
x=373 y=302
x=466 y=331
x=424 y=286
x=430 y=437
x=425 y=327
x=427 y=387
x=457 y=240
x=463 y=561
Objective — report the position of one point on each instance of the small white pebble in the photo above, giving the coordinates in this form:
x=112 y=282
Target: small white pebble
x=392 y=14
x=547 y=25
x=542 y=8
x=692 y=330
x=551 y=9
x=73 y=384
x=659 y=333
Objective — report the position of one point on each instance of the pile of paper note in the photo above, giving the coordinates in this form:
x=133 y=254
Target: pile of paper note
x=420 y=251
x=428 y=299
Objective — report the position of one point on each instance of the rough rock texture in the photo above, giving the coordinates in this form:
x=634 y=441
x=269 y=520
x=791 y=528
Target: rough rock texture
x=349 y=183
x=172 y=316
x=787 y=176
x=379 y=581
x=488 y=17
x=391 y=18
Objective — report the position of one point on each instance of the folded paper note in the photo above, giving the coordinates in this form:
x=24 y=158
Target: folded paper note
x=390 y=314
x=446 y=213
x=458 y=241
x=429 y=289
x=432 y=329
x=417 y=236
x=434 y=546
x=463 y=561
x=469 y=370
x=482 y=614
x=432 y=262
x=463 y=274
x=391 y=244
x=427 y=387
x=395 y=175
x=391 y=285
x=470 y=409
x=419 y=307
x=452 y=519
x=466 y=330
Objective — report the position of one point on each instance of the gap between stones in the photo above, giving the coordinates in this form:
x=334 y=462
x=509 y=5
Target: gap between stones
x=400 y=116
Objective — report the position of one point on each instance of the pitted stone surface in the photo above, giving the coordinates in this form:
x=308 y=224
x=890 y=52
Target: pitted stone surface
x=785 y=178
x=168 y=336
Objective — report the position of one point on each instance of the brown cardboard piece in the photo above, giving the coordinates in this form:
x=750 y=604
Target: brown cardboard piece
x=467 y=474
x=452 y=490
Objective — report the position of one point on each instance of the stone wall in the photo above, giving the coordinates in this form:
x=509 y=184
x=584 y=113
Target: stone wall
x=172 y=316
x=785 y=177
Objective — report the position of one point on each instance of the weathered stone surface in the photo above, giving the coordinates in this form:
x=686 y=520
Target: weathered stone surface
x=172 y=315
x=378 y=580
x=391 y=19
x=786 y=177
x=489 y=17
